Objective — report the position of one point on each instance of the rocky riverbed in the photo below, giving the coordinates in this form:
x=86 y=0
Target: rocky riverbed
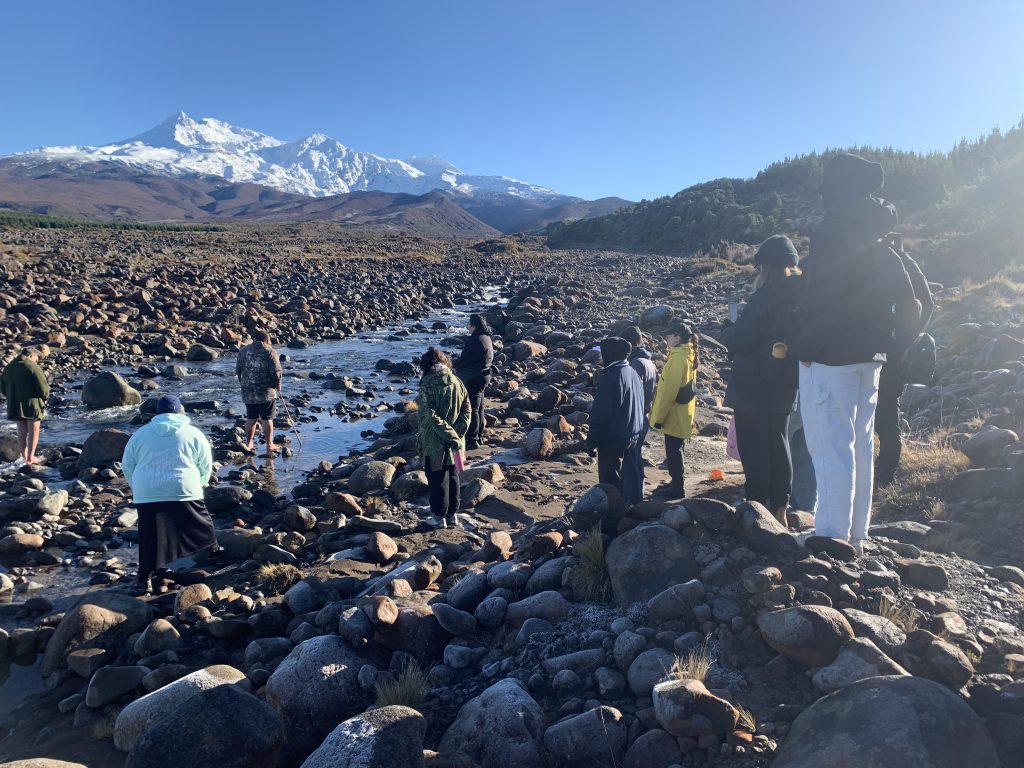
x=558 y=628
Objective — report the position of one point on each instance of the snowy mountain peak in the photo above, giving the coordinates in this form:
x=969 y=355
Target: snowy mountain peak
x=316 y=166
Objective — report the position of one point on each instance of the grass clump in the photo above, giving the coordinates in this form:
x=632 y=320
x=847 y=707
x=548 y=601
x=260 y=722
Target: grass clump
x=900 y=614
x=278 y=577
x=747 y=722
x=694 y=666
x=926 y=470
x=409 y=689
x=592 y=574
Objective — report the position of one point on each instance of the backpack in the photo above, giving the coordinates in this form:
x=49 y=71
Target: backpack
x=919 y=361
x=890 y=313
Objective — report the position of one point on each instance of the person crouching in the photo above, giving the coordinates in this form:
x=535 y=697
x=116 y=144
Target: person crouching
x=167 y=463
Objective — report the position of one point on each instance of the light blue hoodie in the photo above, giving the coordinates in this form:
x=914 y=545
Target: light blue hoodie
x=167 y=460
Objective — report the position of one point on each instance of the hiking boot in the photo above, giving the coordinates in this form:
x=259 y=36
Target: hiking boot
x=452 y=521
x=669 y=491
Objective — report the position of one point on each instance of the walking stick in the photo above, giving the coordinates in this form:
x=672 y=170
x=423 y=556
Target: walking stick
x=291 y=419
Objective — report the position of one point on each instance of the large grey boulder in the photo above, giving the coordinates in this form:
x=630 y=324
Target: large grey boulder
x=595 y=738
x=387 y=737
x=101 y=620
x=807 y=634
x=102 y=447
x=372 y=476
x=138 y=716
x=858 y=660
x=33 y=505
x=315 y=687
x=224 y=727
x=109 y=390
x=501 y=727
x=647 y=560
x=883 y=722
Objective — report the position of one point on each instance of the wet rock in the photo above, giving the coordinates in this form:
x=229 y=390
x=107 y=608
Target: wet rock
x=314 y=687
x=201 y=353
x=858 y=660
x=386 y=737
x=225 y=498
x=647 y=560
x=594 y=738
x=100 y=620
x=688 y=708
x=103 y=447
x=502 y=726
x=34 y=504
x=807 y=634
x=888 y=721
x=372 y=476
x=222 y=726
x=109 y=390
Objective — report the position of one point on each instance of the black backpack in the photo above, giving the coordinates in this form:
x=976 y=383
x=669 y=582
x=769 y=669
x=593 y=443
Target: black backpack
x=919 y=361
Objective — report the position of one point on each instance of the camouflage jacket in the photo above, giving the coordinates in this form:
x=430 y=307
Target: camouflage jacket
x=259 y=371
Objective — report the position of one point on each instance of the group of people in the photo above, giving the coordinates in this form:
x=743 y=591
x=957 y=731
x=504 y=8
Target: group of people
x=817 y=368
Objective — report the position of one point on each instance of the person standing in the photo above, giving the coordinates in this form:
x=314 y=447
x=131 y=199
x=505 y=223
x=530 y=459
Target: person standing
x=856 y=305
x=167 y=463
x=25 y=387
x=763 y=380
x=474 y=369
x=675 y=405
x=258 y=369
x=893 y=379
x=640 y=361
x=617 y=422
x=443 y=416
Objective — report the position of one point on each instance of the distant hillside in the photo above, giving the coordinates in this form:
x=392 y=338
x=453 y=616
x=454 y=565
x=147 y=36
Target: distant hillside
x=974 y=180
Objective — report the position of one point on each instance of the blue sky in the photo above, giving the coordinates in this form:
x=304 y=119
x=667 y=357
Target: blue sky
x=593 y=98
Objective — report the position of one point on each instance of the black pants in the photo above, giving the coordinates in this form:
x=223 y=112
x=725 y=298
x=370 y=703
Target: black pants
x=887 y=424
x=622 y=467
x=444 y=489
x=172 y=529
x=475 y=390
x=674 y=449
x=764 y=452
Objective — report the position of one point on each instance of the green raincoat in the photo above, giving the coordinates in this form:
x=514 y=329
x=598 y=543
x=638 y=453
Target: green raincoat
x=443 y=414
x=24 y=385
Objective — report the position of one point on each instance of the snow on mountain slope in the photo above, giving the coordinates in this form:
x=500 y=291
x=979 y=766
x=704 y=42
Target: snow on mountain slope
x=316 y=166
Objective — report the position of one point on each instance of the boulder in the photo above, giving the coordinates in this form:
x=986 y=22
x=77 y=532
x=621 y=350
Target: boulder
x=595 y=738
x=539 y=444
x=111 y=683
x=688 y=708
x=409 y=485
x=713 y=514
x=416 y=631
x=888 y=721
x=33 y=505
x=316 y=686
x=648 y=669
x=109 y=390
x=490 y=472
x=201 y=353
x=468 y=590
x=657 y=317
x=760 y=531
x=647 y=560
x=930 y=656
x=223 y=726
x=501 y=727
x=601 y=504
x=225 y=498
x=381 y=547
x=883 y=633
x=101 y=620
x=858 y=660
x=524 y=350
x=137 y=717
x=675 y=602
x=372 y=476
x=102 y=447
x=9 y=447
x=807 y=634
x=387 y=737
x=475 y=492
x=985 y=447
x=654 y=749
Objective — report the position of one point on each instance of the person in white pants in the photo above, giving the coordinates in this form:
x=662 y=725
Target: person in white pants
x=838 y=407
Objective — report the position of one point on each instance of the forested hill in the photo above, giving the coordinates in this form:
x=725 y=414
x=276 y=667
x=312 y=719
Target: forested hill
x=784 y=198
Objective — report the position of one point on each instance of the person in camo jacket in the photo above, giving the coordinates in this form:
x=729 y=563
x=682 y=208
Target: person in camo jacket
x=259 y=371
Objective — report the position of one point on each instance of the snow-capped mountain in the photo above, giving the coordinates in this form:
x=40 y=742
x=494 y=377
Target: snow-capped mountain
x=316 y=166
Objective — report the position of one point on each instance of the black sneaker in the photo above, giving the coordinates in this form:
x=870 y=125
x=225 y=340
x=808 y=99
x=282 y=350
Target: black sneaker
x=669 y=492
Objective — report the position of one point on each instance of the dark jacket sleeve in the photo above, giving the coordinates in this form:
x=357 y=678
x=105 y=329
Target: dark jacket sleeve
x=921 y=290
x=606 y=403
x=748 y=332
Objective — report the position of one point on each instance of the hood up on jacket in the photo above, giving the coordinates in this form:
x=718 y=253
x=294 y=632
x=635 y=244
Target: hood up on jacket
x=168 y=423
x=863 y=221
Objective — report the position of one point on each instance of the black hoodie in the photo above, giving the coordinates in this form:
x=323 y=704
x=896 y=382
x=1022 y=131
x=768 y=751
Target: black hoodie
x=474 y=364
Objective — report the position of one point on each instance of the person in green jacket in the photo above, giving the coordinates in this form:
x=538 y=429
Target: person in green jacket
x=674 y=405
x=443 y=415
x=24 y=385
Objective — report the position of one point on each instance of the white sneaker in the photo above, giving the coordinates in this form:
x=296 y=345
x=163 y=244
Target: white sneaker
x=859 y=545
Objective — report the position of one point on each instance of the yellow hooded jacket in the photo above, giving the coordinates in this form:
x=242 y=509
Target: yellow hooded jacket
x=675 y=420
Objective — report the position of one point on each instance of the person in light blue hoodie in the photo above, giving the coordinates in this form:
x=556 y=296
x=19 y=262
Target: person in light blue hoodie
x=167 y=463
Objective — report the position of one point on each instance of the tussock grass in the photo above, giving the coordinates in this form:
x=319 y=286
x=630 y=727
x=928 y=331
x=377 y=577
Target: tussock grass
x=592 y=574
x=278 y=577
x=694 y=666
x=900 y=614
x=926 y=470
x=409 y=689
x=1003 y=291
x=747 y=721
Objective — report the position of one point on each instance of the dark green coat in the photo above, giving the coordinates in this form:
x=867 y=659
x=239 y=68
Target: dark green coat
x=26 y=390
x=443 y=416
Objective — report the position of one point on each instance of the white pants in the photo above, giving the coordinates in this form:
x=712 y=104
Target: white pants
x=837 y=403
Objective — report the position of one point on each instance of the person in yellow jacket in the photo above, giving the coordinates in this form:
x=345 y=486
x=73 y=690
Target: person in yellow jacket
x=675 y=403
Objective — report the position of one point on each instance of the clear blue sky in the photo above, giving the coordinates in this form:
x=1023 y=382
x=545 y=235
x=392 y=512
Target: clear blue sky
x=591 y=97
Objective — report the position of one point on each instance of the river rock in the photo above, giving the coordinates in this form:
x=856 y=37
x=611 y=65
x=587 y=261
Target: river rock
x=985 y=447
x=888 y=721
x=103 y=447
x=223 y=726
x=648 y=669
x=201 y=353
x=524 y=350
x=225 y=498
x=930 y=656
x=858 y=660
x=549 y=605
x=760 y=531
x=381 y=547
x=33 y=505
x=501 y=727
x=372 y=476
x=137 y=717
x=100 y=620
x=315 y=686
x=110 y=683
x=647 y=560
x=469 y=589
x=386 y=737
x=807 y=634
x=410 y=485
x=594 y=738
x=883 y=633
x=539 y=444
x=19 y=543
x=688 y=708
x=602 y=504
x=109 y=390
x=657 y=317
x=475 y=492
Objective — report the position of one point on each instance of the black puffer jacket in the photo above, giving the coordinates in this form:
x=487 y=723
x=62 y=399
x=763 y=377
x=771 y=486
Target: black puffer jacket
x=474 y=364
x=759 y=382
